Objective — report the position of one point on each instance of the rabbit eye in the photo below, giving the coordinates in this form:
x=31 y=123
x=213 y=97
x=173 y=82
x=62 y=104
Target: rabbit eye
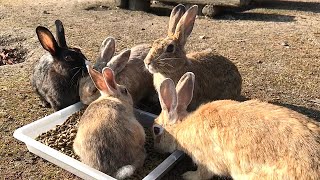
x=68 y=58
x=94 y=90
x=157 y=130
x=124 y=91
x=170 y=48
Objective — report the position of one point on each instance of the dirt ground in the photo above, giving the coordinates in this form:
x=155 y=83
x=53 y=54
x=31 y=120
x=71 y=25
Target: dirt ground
x=276 y=47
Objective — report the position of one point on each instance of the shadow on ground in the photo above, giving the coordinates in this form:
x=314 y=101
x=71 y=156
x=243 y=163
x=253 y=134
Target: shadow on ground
x=312 y=113
x=253 y=16
x=184 y=165
x=234 y=14
x=240 y=14
x=290 y=5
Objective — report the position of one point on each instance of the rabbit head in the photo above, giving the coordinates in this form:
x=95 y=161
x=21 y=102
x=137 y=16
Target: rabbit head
x=88 y=91
x=170 y=51
x=174 y=103
x=63 y=55
x=106 y=84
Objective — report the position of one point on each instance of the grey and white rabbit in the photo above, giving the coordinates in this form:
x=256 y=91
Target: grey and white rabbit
x=56 y=76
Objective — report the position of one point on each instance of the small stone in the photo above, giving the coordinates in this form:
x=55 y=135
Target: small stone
x=17 y=159
x=73 y=131
x=202 y=37
x=285 y=43
x=45 y=12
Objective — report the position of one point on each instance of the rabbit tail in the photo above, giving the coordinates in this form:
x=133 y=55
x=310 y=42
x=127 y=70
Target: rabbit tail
x=125 y=171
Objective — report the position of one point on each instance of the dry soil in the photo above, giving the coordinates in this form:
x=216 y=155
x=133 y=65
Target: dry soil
x=276 y=47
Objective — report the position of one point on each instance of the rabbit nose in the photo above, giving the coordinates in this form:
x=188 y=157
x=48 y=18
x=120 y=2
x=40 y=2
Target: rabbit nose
x=147 y=62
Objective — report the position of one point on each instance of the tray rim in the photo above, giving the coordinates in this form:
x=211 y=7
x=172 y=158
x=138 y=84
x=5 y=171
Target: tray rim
x=72 y=165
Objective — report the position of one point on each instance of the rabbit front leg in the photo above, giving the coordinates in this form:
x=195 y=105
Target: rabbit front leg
x=43 y=102
x=201 y=173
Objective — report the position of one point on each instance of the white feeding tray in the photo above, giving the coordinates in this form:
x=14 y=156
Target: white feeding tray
x=29 y=132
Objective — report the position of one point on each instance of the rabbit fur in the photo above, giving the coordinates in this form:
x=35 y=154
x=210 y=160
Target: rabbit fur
x=217 y=77
x=244 y=140
x=129 y=69
x=56 y=76
x=109 y=138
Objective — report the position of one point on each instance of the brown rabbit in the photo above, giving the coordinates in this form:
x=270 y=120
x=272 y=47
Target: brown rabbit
x=217 y=77
x=244 y=140
x=129 y=70
x=109 y=138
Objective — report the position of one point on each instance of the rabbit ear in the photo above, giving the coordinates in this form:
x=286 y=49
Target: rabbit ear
x=176 y=13
x=98 y=80
x=108 y=47
x=47 y=40
x=168 y=99
x=60 y=34
x=185 y=25
x=185 y=88
x=118 y=62
x=110 y=80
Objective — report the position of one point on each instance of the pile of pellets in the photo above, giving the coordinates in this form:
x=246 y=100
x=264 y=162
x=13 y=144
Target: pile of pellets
x=62 y=136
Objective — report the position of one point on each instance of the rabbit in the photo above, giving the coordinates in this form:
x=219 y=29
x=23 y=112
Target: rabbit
x=56 y=76
x=244 y=140
x=217 y=77
x=109 y=138
x=129 y=70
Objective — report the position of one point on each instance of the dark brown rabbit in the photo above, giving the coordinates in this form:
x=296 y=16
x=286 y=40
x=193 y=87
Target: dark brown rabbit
x=57 y=74
x=217 y=77
x=109 y=137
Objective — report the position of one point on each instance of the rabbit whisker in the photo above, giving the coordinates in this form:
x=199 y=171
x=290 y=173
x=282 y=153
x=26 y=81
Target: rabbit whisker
x=168 y=59
x=168 y=64
x=74 y=68
x=163 y=65
x=78 y=82
x=75 y=75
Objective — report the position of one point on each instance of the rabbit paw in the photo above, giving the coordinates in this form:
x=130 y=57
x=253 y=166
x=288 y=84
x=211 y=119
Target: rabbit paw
x=191 y=175
x=44 y=104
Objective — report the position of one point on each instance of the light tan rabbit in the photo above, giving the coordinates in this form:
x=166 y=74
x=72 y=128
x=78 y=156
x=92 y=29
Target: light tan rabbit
x=129 y=70
x=217 y=77
x=244 y=140
x=109 y=138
